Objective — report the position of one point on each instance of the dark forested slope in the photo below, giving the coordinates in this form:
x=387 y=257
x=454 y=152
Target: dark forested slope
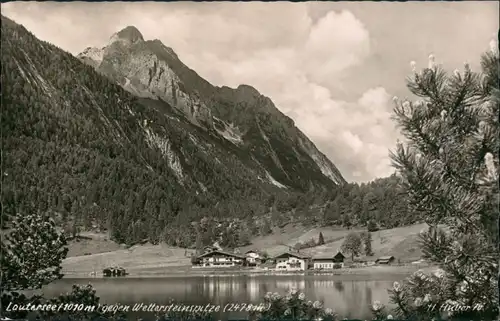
x=79 y=146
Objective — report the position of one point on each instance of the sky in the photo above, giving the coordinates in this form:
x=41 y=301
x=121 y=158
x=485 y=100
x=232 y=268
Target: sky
x=333 y=67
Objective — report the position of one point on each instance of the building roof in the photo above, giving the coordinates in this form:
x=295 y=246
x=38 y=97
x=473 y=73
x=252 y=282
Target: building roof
x=223 y=253
x=327 y=257
x=297 y=255
x=210 y=248
x=323 y=258
x=384 y=258
x=254 y=251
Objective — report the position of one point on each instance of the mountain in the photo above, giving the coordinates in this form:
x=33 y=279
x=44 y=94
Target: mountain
x=141 y=165
x=242 y=116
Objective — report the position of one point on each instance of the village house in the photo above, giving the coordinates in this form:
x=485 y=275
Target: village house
x=253 y=257
x=385 y=260
x=289 y=261
x=220 y=259
x=328 y=262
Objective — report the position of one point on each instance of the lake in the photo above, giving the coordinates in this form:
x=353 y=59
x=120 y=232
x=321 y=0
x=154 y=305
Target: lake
x=350 y=299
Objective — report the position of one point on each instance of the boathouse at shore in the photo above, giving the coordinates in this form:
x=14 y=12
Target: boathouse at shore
x=385 y=260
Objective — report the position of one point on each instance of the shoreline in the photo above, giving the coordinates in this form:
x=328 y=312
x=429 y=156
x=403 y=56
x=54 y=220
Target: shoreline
x=371 y=273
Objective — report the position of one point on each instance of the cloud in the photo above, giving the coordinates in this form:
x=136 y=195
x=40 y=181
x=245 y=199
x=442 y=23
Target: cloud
x=355 y=134
x=337 y=41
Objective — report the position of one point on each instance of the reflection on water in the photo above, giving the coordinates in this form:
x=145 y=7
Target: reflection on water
x=339 y=286
x=350 y=299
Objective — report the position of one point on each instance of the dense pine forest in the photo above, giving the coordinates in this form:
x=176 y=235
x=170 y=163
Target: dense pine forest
x=78 y=146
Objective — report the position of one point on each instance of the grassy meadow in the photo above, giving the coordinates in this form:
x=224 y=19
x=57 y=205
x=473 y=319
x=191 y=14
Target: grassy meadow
x=93 y=252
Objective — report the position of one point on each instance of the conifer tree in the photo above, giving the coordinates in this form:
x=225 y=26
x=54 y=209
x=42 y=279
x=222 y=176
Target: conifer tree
x=367 y=243
x=449 y=168
x=321 y=239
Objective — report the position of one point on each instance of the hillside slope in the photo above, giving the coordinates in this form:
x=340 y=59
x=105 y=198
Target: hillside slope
x=401 y=242
x=77 y=145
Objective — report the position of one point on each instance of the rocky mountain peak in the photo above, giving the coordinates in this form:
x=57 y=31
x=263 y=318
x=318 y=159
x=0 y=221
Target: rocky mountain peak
x=242 y=93
x=92 y=56
x=130 y=35
x=242 y=115
x=247 y=90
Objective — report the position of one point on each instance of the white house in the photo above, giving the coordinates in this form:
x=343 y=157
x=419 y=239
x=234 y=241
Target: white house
x=220 y=259
x=291 y=262
x=253 y=257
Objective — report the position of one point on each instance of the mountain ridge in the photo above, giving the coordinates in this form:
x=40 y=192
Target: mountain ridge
x=150 y=69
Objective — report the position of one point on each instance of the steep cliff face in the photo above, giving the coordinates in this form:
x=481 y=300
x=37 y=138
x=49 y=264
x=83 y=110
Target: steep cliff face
x=137 y=65
x=241 y=116
x=92 y=56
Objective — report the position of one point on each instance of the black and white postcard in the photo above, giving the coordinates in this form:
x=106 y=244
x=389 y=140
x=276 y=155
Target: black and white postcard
x=250 y=160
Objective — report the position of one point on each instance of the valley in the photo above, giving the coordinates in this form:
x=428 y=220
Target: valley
x=164 y=260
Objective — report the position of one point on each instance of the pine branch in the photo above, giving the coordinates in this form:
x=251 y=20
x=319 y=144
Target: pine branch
x=451 y=176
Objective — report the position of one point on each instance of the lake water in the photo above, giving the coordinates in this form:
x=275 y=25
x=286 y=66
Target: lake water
x=350 y=299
